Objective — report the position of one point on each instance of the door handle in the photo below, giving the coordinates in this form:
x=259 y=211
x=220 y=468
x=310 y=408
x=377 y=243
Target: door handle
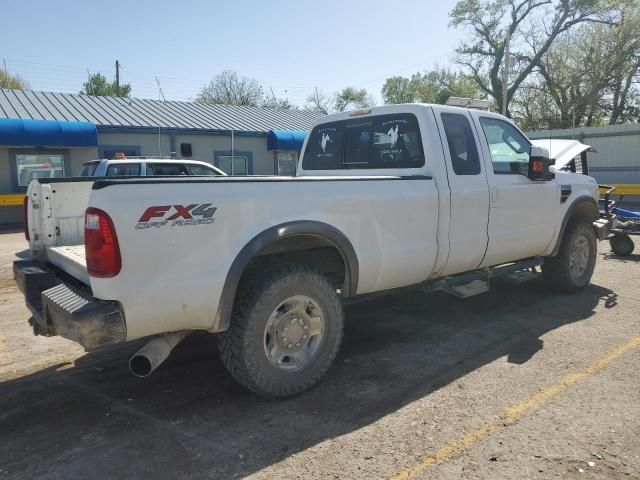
x=494 y=195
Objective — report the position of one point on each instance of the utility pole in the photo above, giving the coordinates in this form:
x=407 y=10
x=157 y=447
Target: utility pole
x=505 y=72
x=4 y=62
x=117 y=78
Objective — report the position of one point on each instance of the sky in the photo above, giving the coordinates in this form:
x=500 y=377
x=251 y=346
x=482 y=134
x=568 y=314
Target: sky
x=289 y=46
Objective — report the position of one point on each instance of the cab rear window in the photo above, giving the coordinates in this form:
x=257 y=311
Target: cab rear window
x=383 y=141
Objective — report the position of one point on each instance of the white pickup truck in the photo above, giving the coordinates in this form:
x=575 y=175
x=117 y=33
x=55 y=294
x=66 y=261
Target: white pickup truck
x=383 y=198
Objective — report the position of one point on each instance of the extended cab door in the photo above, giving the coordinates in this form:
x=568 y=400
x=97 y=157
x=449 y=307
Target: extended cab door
x=521 y=217
x=469 y=190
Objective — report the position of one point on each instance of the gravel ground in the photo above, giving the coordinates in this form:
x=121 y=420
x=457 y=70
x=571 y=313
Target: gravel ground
x=418 y=374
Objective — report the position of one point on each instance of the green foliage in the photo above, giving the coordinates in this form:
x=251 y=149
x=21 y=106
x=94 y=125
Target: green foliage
x=533 y=27
x=12 y=81
x=350 y=97
x=98 y=85
x=588 y=77
x=435 y=86
x=347 y=98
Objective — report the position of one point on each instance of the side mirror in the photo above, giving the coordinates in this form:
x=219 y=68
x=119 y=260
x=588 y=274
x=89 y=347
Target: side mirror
x=539 y=163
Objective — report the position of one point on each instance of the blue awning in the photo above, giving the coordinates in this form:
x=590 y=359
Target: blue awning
x=286 y=139
x=47 y=133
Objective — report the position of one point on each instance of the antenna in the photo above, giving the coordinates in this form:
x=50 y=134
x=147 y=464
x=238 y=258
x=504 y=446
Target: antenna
x=160 y=95
x=117 y=78
x=160 y=92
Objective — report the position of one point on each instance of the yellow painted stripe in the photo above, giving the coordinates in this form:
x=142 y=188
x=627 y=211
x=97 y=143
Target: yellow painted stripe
x=11 y=199
x=626 y=188
x=510 y=415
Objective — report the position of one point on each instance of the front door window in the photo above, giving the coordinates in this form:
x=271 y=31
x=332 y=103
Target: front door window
x=38 y=166
x=509 y=149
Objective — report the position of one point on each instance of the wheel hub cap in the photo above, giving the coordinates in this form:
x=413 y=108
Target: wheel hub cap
x=579 y=258
x=294 y=332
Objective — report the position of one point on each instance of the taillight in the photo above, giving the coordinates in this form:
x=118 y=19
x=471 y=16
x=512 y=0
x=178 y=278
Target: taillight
x=101 y=244
x=25 y=216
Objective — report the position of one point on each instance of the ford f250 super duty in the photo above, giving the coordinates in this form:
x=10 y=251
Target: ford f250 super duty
x=383 y=198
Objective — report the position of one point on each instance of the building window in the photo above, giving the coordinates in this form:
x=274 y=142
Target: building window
x=287 y=162
x=234 y=165
x=43 y=165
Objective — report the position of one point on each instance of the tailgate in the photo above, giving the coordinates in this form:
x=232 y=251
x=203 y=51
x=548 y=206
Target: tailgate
x=56 y=210
x=71 y=259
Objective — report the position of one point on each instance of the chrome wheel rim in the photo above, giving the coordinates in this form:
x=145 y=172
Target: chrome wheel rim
x=579 y=258
x=294 y=333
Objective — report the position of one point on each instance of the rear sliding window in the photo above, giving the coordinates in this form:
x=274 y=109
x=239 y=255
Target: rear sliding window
x=384 y=141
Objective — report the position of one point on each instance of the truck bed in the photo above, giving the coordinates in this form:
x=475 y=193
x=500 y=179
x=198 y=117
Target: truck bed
x=71 y=259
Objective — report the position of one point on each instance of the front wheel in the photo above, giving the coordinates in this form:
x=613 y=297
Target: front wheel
x=571 y=269
x=285 y=331
x=622 y=245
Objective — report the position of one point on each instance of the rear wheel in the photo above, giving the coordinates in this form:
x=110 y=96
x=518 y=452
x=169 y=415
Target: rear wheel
x=285 y=331
x=622 y=245
x=571 y=269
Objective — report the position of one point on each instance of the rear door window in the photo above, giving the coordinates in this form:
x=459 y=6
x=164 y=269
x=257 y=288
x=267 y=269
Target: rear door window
x=462 y=144
x=383 y=141
x=123 y=170
x=195 y=169
x=166 y=169
x=89 y=169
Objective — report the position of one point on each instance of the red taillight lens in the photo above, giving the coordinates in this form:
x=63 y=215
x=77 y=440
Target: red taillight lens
x=25 y=217
x=101 y=244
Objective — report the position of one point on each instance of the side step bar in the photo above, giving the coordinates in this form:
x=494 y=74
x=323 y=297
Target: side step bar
x=474 y=283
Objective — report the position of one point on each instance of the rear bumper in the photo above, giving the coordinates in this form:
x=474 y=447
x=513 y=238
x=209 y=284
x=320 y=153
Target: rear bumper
x=58 y=308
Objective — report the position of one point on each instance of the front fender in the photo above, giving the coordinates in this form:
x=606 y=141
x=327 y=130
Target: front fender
x=584 y=208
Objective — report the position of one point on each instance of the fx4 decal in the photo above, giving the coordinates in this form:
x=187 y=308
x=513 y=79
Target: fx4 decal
x=176 y=215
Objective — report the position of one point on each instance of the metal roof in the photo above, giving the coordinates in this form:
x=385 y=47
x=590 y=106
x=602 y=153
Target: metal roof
x=144 y=113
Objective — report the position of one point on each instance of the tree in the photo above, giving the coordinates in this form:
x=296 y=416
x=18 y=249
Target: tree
x=12 y=81
x=318 y=101
x=588 y=77
x=278 y=103
x=435 y=86
x=347 y=98
x=229 y=88
x=401 y=89
x=532 y=25
x=350 y=97
x=98 y=85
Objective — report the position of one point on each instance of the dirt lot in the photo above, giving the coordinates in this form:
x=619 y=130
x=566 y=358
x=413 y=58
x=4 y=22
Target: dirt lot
x=513 y=384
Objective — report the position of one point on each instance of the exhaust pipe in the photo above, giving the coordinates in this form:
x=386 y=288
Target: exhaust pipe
x=151 y=356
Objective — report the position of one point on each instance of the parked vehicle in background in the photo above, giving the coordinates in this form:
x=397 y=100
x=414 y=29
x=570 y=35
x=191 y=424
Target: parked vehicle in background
x=147 y=167
x=385 y=197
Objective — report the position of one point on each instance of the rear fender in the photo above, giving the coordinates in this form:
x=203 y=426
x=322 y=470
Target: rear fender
x=273 y=234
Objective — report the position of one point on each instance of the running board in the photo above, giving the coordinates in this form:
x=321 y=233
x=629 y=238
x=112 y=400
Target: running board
x=475 y=287
x=521 y=276
x=474 y=283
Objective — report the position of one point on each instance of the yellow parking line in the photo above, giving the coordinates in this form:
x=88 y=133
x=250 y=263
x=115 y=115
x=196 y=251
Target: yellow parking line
x=514 y=412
